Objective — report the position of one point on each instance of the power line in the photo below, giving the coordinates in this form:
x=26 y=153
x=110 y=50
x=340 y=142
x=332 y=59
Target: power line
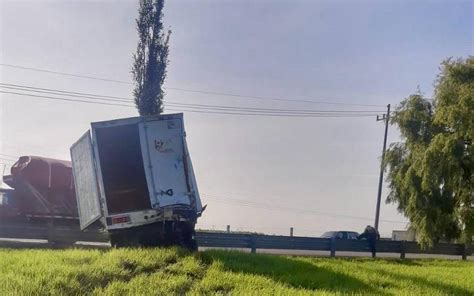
x=14 y=86
x=246 y=113
x=270 y=98
x=262 y=205
x=64 y=74
x=176 y=104
x=276 y=115
x=9 y=160
x=299 y=211
x=267 y=109
x=63 y=93
x=191 y=90
x=8 y=155
x=63 y=99
x=5 y=158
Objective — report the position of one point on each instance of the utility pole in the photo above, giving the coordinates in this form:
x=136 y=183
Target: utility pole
x=385 y=117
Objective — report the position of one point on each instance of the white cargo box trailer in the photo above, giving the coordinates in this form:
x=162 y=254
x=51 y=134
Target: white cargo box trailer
x=135 y=176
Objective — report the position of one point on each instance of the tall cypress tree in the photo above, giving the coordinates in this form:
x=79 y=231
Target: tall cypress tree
x=151 y=58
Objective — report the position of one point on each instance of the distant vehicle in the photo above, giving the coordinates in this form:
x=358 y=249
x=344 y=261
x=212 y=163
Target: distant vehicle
x=43 y=190
x=340 y=234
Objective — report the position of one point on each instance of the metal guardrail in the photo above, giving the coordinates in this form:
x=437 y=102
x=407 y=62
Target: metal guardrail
x=258 y=241
x=61 y=235
x=54 y=234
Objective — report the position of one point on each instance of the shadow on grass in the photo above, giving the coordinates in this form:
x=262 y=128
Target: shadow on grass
x=421 y=282
x=292 y=272
x=407 y=262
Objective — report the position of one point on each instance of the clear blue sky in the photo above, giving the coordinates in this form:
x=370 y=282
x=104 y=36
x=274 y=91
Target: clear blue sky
x=372 y=52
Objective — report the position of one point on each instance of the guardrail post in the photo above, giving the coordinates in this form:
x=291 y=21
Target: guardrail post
x=402 y=250
x=51 y=232
x=333 y=247
x=253 y=245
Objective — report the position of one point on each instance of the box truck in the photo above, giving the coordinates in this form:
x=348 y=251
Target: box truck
x=135 y=177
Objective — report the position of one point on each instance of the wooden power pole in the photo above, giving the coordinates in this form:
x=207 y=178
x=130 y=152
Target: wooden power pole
x=386 y=118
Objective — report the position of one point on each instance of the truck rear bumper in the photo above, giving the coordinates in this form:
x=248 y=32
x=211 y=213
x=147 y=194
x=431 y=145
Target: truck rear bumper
x=136 y=219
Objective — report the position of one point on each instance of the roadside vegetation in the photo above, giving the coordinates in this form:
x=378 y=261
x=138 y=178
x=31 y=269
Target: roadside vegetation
x=177 y=272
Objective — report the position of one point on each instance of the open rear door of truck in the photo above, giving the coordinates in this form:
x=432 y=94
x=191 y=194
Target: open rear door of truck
x=164 y=155
x=85 y=180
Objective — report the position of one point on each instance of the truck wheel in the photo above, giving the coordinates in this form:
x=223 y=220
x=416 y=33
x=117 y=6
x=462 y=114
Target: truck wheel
x=187 y=236
x=115 y=241
x=118 y=240
x=192 y=245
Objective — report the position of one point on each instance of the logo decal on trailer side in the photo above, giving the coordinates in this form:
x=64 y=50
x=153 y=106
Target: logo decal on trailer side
x=160 y=146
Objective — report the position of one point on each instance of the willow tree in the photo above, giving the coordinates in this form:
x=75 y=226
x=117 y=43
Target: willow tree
x=431 y=173
x=151 y=58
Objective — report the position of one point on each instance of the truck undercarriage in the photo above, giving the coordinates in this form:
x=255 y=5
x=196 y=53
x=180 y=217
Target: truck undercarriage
x=165 y=233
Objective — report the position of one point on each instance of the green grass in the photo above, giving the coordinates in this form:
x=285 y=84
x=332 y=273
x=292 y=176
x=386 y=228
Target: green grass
x=175 y=271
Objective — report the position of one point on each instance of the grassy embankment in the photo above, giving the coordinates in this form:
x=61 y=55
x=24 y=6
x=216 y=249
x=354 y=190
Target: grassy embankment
x=174 y=271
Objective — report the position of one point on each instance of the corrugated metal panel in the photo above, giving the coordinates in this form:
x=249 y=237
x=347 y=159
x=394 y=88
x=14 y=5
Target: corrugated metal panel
x=87 y=193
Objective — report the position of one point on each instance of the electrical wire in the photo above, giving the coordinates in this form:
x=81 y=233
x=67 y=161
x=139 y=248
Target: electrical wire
x=64 y=74
x=261 y=205
x=275 y=115
x=272 y=98
x=212 y=110
x=225 y=94
x=63 y=99
x=258 y=109
x=8 y=155
x=58 y=91
x=303 y=212
x=172 y=103
x=8 y=160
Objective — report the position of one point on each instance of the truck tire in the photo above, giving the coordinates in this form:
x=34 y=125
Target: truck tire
x=192 y=245
x=143 y=236
x=123 y=239
x=116 y=240
x=187 y=237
